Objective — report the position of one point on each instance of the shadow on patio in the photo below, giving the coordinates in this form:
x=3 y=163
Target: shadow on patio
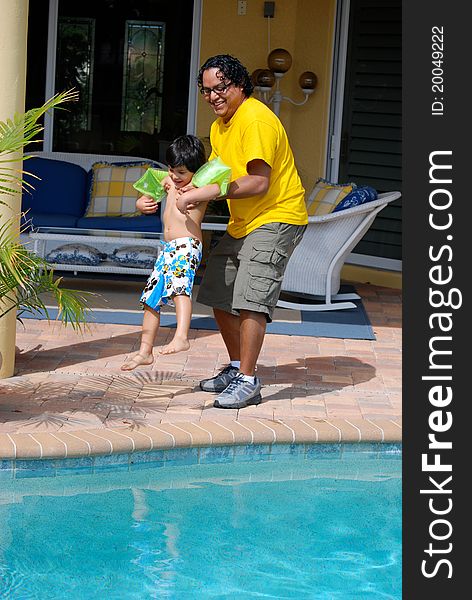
x=317 y=388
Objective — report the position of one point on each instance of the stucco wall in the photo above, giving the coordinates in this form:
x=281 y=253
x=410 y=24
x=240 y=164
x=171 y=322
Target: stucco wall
x=305 y=29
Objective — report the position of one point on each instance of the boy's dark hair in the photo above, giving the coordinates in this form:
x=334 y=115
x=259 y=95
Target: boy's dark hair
x=187 y=151
x=229 y=69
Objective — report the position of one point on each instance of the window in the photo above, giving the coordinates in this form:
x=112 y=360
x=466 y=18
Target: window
x=75 y=48
x=143 y=71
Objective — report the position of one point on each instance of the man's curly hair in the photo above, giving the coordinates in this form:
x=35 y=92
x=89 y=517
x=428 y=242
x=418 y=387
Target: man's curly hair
x=229 y=69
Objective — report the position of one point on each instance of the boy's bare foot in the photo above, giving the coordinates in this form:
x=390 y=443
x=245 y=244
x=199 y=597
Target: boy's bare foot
x=176 y=345
x=137 y=360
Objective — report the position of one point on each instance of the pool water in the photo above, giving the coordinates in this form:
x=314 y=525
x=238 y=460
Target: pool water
x=310 y=524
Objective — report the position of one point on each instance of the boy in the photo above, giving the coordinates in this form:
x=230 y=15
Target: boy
x=172 y=279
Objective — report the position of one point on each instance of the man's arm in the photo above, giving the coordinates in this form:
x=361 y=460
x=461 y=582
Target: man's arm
x=255 y=183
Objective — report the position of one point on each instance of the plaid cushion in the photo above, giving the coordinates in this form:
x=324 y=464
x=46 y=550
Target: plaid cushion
x=325 y=196
x=111 y=192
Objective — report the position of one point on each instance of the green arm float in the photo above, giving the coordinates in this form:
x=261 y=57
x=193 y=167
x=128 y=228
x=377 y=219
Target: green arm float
x=214 y=171
x=150 y=184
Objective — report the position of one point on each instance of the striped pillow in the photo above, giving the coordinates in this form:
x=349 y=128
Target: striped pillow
x=325 y=196
x=111 y=192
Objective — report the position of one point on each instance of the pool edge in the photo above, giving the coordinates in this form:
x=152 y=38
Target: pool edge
x=189 y=434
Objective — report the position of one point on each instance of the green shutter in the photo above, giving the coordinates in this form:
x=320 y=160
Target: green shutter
x=371 y=138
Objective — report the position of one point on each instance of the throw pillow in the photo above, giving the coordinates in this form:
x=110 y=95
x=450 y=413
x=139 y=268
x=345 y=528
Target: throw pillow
x=111 y=191
x=75 y=254
x=325 y=196
x=358 y=196
x=142 y=257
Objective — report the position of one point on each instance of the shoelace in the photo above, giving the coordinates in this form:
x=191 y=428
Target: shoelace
x=233 y=384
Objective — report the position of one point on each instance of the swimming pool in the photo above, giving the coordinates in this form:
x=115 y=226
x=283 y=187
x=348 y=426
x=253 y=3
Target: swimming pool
x=318 y=521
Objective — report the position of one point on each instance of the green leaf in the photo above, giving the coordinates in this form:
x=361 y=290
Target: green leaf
x=16 y=133
x=24 y=276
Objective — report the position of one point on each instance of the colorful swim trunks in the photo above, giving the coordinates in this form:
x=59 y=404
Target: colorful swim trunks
x=173 y=273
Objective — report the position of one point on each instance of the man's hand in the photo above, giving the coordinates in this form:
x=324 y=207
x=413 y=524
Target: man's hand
x=184 y=202
x=147 y=205
x=187 y=200
x=186 y=188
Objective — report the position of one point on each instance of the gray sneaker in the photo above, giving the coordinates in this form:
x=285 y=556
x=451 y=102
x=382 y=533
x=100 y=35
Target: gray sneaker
x=219 y=382
x=239 y=393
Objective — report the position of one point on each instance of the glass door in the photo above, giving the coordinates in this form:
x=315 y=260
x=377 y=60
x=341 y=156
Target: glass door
x=130 y=62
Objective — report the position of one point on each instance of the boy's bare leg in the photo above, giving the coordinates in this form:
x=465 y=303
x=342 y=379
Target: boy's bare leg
x=183 y=311
x=144 y=356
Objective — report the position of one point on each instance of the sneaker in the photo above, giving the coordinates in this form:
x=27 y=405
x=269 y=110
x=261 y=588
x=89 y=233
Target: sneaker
x=220 y=382
x=239 y=393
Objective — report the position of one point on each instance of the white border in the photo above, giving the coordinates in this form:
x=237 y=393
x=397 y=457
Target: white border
x=194 y=67
x=341 y=36
x=50 y=88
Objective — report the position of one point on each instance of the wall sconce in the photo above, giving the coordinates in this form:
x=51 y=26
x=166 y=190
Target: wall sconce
x=279 y=62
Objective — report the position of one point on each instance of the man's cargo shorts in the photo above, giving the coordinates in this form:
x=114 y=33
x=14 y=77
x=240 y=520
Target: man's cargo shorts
x=246 y=273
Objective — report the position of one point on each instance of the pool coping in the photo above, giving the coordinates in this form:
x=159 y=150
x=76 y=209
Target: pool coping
x=189 y=434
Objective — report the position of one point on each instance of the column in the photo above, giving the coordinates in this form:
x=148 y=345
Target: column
x=13 y=40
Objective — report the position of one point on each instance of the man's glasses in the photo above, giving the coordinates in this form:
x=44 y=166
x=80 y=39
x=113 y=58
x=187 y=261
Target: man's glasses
x=220 y=89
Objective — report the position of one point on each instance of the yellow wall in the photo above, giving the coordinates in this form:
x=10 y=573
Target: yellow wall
x=304 y=28
x=382 y=277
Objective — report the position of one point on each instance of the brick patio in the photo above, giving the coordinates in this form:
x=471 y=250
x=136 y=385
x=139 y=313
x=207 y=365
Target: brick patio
x=69 y=398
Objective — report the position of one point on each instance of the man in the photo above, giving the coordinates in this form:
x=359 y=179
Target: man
x=268 y=217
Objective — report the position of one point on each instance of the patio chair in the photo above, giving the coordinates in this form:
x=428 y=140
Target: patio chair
x=313 y=271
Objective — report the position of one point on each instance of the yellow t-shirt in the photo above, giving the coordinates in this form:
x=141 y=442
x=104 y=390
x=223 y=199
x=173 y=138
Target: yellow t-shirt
x=254 y=132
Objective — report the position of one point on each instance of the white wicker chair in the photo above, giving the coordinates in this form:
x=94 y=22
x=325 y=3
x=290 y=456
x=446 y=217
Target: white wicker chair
x=315 y=265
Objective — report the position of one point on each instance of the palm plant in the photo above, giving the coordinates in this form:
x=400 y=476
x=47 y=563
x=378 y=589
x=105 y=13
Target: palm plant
x=24 y=276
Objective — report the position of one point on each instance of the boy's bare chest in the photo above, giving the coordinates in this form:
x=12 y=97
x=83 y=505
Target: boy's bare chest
x=171 y=212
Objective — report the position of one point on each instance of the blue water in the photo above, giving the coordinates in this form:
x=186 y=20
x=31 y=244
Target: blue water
x=303 y=526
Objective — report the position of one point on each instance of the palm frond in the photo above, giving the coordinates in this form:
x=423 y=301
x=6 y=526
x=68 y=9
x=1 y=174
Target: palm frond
x=16 y=133
x=25 y=278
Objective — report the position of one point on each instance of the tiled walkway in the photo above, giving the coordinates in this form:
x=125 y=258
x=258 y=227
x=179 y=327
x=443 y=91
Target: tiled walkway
x=69 y=397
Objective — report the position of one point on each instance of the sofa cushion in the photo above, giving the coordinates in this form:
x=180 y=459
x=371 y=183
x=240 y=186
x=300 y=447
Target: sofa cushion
x=35 y=220
x=60 y=189
x=326 y=195
x=142 y=223
x=112 y=193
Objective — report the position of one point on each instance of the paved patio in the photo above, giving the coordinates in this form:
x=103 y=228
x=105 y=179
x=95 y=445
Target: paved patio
x=69 y=398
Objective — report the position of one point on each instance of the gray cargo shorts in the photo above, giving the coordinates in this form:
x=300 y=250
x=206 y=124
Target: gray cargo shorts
x=246 y=273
